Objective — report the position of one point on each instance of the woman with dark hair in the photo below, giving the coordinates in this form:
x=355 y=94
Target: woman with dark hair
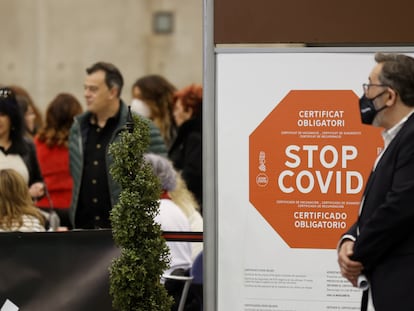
x=186 y=151
x=153 y=97
x=53 y=154
x=16 y=151
x=31 y=114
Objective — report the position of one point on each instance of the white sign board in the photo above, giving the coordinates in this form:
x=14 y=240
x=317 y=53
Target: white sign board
x=257 y=269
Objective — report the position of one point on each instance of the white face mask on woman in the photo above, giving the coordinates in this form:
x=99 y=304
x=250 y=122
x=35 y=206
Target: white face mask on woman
x=140 y=107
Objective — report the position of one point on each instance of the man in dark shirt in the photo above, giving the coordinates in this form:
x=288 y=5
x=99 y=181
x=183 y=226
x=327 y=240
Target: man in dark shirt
x=94 y=190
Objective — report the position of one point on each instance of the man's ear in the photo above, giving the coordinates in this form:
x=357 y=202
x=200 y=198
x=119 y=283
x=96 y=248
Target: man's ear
x=114 y=92
x=392 y=97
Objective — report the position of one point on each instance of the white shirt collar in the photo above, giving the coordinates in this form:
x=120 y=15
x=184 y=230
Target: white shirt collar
x=388 y=135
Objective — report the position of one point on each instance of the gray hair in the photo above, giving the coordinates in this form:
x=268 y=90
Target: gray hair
x=163 y=169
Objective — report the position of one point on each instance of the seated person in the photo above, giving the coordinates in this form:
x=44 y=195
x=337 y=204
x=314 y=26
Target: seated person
x=171 y=217
x=17 y=211
x=185 y=199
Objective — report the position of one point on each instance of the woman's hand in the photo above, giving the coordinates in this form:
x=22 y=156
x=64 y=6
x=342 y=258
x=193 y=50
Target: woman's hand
x=37 y=190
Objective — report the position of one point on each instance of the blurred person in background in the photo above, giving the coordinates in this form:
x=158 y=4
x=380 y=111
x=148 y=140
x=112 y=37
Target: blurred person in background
x=170 y=217
x=32 y=117
x=52 y=150
x=16 y=150
x=153 y=97
x=188 y=204
x=17 y=211
x=186 y=150
x=94 y=191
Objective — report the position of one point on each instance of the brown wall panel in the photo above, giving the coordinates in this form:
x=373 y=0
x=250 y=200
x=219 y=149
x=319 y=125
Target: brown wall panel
x=314 y=22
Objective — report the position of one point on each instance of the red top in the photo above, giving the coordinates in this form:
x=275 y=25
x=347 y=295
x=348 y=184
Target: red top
x=54 y=165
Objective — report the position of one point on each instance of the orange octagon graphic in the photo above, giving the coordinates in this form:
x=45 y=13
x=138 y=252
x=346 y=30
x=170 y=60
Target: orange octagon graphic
x=309 y=160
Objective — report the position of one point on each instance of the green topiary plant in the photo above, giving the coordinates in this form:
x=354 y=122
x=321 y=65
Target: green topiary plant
x=135 y=275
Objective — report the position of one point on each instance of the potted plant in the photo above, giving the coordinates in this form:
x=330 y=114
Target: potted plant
x=135 y=275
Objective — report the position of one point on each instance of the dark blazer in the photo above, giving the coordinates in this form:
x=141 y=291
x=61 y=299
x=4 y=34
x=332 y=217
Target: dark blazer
x=385 y=243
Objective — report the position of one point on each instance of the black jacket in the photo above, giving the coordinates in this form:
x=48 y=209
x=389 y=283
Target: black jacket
x=186 y=155
x=385 y=242
x=27 y=150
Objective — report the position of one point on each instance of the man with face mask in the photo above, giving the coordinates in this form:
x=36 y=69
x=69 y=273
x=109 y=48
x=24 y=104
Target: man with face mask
x=380 y=245
x=368 y=109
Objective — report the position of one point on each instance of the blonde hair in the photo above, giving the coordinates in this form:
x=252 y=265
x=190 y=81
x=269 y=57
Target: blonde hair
x=15 y=200
x=184 y=197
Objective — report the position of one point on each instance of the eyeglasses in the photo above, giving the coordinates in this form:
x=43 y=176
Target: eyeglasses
x=366 y=86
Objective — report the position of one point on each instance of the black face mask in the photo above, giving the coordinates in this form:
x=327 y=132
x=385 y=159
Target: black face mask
x=367 y=108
